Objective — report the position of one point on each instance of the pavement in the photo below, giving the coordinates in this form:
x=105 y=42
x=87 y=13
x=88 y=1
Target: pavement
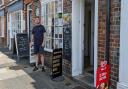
x=19 y=75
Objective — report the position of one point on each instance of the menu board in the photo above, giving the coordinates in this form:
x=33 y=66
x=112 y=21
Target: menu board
x=57 y=63
x=67 y=42
x=22 y=44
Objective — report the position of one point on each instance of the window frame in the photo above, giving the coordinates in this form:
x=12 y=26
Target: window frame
x=16 y=22
x=2 y=3
x=45 y=15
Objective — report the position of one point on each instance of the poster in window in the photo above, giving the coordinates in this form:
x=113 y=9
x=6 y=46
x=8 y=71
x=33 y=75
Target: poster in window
x=36 y=7
x=59 y=6
x=67 y=38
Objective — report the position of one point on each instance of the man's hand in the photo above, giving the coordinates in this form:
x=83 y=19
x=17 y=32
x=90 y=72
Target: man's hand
x=31 y=44
x=43 y=44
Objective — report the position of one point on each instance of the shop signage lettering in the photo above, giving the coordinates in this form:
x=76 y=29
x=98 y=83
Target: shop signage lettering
x=103 y=72
x=57 y=63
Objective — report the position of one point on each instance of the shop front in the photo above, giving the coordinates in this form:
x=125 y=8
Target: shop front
x=51 y=18
x=72 y=25
x=2 y=24
x=15 y=22
x=2 y=28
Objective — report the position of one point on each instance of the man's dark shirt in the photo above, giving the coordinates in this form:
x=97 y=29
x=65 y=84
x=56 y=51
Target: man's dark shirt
x=38 y=32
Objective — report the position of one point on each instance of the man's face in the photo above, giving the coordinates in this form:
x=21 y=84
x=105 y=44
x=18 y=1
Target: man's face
x=37 y=21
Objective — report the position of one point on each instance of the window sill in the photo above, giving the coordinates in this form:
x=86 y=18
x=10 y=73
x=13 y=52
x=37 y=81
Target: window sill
x=49 y=50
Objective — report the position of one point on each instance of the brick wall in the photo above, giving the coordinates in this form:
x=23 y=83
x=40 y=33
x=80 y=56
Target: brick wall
x=114 y=37
x=27 y=1
x=67 y=6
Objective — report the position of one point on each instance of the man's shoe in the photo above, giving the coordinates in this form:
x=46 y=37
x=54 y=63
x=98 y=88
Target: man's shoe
x=35 y=68
x=43 y=70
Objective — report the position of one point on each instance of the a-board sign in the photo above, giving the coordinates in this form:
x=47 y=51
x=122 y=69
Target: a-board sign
x=22 y=44
x=67 y=42
x=57 y=63
x=103 y=73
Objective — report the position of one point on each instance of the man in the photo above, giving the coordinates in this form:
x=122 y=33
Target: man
x=38 y=42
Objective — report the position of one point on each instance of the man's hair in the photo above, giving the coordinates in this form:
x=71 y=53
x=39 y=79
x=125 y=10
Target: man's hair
x=36 y=17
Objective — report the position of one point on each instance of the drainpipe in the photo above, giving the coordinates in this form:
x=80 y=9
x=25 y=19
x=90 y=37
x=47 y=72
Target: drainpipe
x=107 y=36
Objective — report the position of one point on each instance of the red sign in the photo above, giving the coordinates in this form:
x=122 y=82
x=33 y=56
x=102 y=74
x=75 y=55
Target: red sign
x=103 y=75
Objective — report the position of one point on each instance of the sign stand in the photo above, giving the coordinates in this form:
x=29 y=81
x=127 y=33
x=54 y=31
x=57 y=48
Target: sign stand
x=22 y=45
x=57 y=65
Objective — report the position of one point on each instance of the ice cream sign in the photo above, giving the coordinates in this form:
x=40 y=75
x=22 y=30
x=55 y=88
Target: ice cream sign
x=103 y=72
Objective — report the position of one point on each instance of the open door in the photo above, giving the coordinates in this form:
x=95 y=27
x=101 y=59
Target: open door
x=89 y=38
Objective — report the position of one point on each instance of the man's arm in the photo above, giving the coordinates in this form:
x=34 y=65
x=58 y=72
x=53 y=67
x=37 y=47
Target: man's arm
x=32 y=40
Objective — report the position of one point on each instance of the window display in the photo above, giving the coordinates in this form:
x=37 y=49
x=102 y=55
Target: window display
x=52 y=13
x=16 y=22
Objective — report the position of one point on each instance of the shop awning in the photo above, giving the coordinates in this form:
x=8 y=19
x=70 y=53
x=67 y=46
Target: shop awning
x=15 y=6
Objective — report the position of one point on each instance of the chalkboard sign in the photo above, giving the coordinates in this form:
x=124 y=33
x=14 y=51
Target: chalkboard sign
x=67 y=42
x=22 y=44
x=57 y=63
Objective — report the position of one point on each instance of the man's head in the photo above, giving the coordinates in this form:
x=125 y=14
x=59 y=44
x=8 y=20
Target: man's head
x=37 y=20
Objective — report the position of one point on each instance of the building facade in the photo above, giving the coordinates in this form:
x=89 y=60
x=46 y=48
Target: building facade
x=32 y=8
x=3 y=31
x=89 y=31
x=15 y=21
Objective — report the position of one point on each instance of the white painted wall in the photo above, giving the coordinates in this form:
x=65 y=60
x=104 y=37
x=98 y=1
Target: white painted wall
x=123 y=61
x=95 y=40
x=124 y=42
x=78 y=37
x=76 y=42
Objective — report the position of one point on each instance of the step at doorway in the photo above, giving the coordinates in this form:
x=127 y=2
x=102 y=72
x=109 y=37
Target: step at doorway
x=86 y=80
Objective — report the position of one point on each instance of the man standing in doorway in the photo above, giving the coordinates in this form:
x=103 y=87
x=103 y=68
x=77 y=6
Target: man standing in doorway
x=38 y=42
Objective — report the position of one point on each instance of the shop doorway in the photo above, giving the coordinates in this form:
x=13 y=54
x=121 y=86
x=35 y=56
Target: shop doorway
x=29 y=20
x=89 y=37
x=84 y=47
